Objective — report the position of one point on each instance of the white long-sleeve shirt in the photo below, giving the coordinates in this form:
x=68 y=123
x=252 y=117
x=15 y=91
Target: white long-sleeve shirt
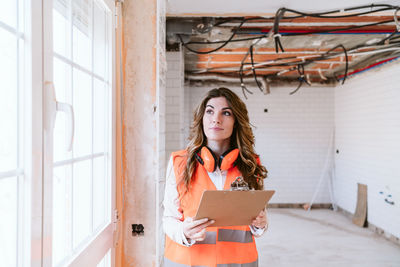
x=172 y=224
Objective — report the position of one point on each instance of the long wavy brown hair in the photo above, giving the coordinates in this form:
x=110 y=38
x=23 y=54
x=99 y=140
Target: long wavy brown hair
x=242 y=137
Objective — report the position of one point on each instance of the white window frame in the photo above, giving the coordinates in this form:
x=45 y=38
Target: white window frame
x=37 y=245
x=32 y=245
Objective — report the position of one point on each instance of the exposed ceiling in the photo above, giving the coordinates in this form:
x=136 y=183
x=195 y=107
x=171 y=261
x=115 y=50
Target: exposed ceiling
x=288 y=47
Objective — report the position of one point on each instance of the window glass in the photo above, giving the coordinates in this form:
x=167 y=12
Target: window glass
x=8 y=223
x=81 y=202
x=11 y=133
x=82 y=102
x=8 y=101
x=8 y=12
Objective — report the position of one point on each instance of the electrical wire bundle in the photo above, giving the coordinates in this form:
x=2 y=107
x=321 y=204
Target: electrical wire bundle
x=387 y=45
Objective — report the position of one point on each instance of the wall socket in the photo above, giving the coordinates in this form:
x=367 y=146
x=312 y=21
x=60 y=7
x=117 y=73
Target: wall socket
x=137 y=229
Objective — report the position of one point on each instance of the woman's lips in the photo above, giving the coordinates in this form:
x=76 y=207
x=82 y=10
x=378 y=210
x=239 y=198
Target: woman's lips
x=216 y=128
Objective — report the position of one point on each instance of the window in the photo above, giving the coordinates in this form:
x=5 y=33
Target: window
x=56 y=50
x=82 y=45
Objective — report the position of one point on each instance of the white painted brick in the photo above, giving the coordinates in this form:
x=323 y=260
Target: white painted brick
x=367 y=135
x=170 y=83
x=174 y=106
x=177 y=83
x=173 y=109
x=174 y=74
x=172 y=56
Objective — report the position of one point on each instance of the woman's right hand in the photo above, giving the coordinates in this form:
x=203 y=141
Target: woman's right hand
x=196 y=230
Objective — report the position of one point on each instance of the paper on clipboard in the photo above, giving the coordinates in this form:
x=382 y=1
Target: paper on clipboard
x=229 y=208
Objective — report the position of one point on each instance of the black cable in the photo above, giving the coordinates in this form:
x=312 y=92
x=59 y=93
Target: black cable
x=328 y=54
x=278 y=17
x=234 y=40
x=244 y=89
x=298 y=87
x=347 y=59
x=341 y=29
x=281 y=11
x=300 y=70
x=395 y=37
x=382 y=42
x=241 y=18
x=212 y=50
x=277 y=40
x=300 y=67
x=221 y=46
x=254 y=70
x=293 y=34
x=322 y=14
x=369 y=6
x=242 y=63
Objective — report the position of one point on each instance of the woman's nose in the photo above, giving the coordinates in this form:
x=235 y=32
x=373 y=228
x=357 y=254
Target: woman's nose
x=217 y=118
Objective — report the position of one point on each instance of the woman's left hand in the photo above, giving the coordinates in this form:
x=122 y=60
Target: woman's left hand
x=261 y=220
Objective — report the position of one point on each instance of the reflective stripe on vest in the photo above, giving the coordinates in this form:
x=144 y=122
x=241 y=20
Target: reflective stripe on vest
x=229 y=235
x=250 y=264
x=168 y=263
x=211 y=238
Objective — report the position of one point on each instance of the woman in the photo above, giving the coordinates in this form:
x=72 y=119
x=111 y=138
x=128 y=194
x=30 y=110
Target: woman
x=221 y=148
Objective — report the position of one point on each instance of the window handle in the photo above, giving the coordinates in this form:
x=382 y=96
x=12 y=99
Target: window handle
x=51 y=108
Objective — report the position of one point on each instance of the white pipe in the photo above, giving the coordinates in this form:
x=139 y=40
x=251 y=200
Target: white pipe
x=200 y=77
x=326 y=170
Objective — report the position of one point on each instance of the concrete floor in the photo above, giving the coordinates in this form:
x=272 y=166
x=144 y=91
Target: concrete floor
x=322 y=237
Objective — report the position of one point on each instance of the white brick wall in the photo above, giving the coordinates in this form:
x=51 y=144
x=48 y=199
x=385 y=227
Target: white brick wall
x=292 y=138
x=367 y=118
x=174 y=103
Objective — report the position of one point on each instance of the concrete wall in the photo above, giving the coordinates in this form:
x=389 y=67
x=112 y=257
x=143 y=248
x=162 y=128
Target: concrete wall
x=292 y=138
x=367 y=118
x=140 y=126
x=161 y=127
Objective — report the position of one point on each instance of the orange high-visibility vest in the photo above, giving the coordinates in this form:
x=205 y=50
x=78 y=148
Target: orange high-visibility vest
x=223 y=246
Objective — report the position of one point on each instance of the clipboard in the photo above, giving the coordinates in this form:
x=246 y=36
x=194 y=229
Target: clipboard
x=229 y=208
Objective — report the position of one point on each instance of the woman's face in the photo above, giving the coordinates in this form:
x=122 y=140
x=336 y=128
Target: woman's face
x=218 y=119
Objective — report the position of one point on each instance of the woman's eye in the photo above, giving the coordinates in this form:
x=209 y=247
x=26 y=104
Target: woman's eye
x=227 y=113
x=209 y=111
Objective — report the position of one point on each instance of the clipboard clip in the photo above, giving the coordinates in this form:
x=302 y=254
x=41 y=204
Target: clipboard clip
x=239 y=184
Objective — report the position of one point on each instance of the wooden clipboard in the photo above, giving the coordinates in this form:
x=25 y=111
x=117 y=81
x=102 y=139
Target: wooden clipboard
x=230 y=208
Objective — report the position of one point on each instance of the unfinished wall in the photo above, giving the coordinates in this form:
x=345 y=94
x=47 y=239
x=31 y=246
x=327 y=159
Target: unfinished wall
x=292 y=137
x=161 y=127
x=367 y=113
x=140 y=126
